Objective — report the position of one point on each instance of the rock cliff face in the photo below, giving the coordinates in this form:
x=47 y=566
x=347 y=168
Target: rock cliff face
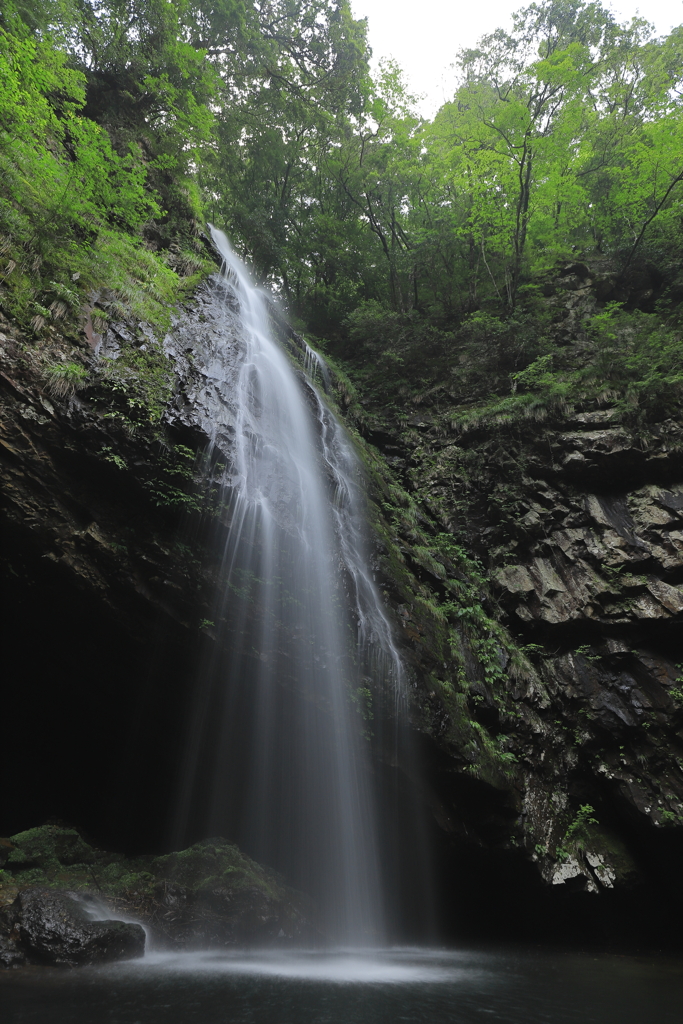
x=535 y=571
x=555 y=677
x=587 y=558
x=107 y=581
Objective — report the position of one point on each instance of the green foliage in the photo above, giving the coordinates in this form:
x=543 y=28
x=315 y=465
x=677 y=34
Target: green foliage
x=456 y=628
x=578 y=832
x=173 y=484
x=137 y=386
x=124 y=124
x=563 y=135
x=580 y=825
x=72 y=204
x=630 y=359
x=120 y=122
x=676 y=692
x=586 y=652
x=110 y=456
x=362 y=698
x=65 y=379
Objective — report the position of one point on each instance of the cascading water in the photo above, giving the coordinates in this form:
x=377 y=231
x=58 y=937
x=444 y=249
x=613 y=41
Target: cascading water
x=281 y=718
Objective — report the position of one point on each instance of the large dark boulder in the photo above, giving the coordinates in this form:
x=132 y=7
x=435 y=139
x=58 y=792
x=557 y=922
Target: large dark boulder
x=54 y=927
x=216 y=916
x=212 y=895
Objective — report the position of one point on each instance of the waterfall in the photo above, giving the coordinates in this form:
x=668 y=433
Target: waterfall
x=282 y=725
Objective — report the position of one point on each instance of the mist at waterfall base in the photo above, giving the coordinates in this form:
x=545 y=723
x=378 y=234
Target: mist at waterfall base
x=381 y=987
x=299 y=719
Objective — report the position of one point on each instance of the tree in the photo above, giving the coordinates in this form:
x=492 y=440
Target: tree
x=525 y=130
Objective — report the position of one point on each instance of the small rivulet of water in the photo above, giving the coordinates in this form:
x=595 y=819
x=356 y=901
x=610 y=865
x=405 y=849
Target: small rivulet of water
x=280 y=757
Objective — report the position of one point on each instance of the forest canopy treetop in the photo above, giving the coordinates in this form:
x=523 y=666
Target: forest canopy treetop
x=143 y=119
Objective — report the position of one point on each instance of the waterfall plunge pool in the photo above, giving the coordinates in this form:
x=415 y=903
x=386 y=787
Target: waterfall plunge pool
x=352 y=987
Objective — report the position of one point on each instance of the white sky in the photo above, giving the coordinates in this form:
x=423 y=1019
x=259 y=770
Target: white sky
x=425 y=35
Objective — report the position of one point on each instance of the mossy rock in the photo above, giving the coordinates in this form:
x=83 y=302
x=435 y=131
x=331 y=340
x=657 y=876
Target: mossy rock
x=216 y=863
x=112 y=874
x=209 y=894
x=46 y=847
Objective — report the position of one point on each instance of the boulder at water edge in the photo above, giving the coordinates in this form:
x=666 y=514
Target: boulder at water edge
x=50 y=926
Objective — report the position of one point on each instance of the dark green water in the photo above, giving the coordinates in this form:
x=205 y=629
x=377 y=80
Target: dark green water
x=357 y=988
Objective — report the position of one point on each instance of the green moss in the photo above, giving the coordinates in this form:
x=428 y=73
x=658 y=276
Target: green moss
x=111 y=874
x=215 y=863
x=48 y=845
x=212 y=864
x=32 y=876
x=137 y=387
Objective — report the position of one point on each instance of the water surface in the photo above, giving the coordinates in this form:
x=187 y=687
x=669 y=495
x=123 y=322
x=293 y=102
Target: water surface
x=354 y=987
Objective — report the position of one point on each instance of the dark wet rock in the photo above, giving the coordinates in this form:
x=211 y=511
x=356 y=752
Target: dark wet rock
x=53 y=927
x=586 y=562
x=203 y=399
x=215 y=916
x=11 y=954
x=603 y=558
